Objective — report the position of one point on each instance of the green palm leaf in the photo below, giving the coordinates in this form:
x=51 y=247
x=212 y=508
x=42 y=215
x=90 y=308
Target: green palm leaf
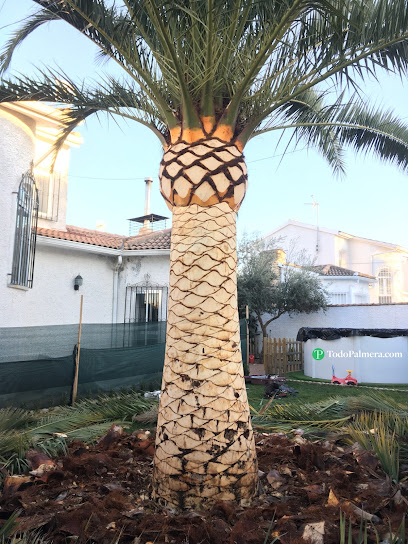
x=242 y=62
x=87 y=420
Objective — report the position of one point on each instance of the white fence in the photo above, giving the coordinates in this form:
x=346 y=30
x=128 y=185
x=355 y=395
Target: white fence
x=365 y=316
x=372 y=360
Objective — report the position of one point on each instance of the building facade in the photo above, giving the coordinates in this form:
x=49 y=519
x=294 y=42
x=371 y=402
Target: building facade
x=385 y=264
x=123 y=279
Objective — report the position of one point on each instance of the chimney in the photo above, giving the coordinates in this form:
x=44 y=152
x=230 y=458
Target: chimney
x=146 y=223
x=280 y=256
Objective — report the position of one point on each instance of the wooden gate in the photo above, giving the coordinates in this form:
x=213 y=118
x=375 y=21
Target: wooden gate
x=282 y=355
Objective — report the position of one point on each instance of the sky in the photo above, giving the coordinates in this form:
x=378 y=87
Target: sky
x=107 y=172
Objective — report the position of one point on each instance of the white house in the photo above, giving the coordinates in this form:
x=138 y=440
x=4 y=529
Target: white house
x=345 y=286
x=123 y=279
x=355 y=269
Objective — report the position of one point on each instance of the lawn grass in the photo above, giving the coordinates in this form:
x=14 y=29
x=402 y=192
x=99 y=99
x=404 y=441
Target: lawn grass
x=318 y=390
x=299 y=375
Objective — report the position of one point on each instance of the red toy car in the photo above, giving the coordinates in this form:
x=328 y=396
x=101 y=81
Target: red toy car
x=348 y=380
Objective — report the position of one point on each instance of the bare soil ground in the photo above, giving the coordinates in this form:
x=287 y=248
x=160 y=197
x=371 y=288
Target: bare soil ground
x=101 y=494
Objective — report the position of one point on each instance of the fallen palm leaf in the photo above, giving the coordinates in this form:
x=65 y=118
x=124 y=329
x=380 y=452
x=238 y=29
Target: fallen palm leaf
x=383 y=441
x=86 y=421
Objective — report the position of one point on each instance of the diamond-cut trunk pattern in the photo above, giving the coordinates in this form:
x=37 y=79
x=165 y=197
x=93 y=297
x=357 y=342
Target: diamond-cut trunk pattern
x=205 y=448
x=206 y=172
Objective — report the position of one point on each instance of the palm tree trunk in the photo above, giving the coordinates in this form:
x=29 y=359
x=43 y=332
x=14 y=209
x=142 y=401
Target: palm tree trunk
x=205 y=448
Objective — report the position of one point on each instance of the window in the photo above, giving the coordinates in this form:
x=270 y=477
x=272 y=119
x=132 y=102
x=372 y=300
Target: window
x=361 y=299
x=26 y=232
x=338 y=298
x=48 y=186
x=384 y=286
x=145 y=303
x=343 y=258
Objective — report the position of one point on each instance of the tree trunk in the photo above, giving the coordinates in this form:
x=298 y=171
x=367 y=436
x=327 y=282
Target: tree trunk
x=205 y=448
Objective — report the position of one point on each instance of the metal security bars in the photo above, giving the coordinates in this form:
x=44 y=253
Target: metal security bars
x=26 y=232
x=145 y=303
x=384 y=286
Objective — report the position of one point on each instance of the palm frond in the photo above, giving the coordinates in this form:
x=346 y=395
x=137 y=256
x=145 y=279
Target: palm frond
x=364 y=128
x=15 y=418
x=85 y=421
x=244 y=62
x=9 y=526
x=376 y=402
x=29 y=537
x=374 y=432
x=149 y=417
x=111 y=97
x=29 y=26
x=327 y=415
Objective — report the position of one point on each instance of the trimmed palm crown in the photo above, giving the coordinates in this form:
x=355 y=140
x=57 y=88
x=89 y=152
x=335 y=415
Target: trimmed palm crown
x=234 y=69
x=206 y=76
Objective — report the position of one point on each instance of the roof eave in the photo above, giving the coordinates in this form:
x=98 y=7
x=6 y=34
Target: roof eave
x=47 y=241
x=370 y=279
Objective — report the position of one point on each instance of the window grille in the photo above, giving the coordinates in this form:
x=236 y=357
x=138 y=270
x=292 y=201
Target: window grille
x=338 y=298
x=48 y=186
x=145 y=303
x=384 y=286
x=26 y=232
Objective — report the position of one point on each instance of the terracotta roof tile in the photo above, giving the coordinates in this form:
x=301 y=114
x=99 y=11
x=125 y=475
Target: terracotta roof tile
x=155 y=240
x=332 y=270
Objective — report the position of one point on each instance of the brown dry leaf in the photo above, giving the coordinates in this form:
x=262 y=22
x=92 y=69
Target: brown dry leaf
x=275 y=480
x=286 y=471
x=364 y=458
x=332 y=499
x=314 y=533
x=37 y=458
x=33 y=522
x=314 y=491
x=13 y=483
x=114 y=432
x=145 y=447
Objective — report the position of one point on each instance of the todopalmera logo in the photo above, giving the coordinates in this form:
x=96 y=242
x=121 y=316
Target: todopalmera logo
x=318 y=354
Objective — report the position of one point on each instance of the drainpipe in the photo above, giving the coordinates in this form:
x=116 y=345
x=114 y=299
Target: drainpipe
x=116 y=271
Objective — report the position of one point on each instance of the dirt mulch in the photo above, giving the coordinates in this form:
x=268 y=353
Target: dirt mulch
x=102 y=492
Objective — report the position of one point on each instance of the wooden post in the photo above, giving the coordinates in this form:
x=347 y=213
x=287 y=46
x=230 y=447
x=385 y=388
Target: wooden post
x=78 y=346
x=247 y=333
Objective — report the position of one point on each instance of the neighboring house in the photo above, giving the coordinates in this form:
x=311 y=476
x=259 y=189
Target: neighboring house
x=345 y=286
x=124 y=279
x=385 y=264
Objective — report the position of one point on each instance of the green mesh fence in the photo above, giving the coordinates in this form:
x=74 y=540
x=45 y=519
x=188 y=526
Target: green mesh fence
x=37 y=363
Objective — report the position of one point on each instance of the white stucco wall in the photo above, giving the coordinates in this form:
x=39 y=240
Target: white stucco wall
x=372 y=360
x=398 y=267
x=382 y=316
x=16 y=154
x=53 y=300
x=60 y=170
x=295 y=239
x=356 y=289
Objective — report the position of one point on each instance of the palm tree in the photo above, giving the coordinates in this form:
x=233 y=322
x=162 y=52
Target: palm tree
x=206 y=76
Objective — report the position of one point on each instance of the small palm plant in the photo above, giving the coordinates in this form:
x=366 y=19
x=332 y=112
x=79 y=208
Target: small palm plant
x=206 y=76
